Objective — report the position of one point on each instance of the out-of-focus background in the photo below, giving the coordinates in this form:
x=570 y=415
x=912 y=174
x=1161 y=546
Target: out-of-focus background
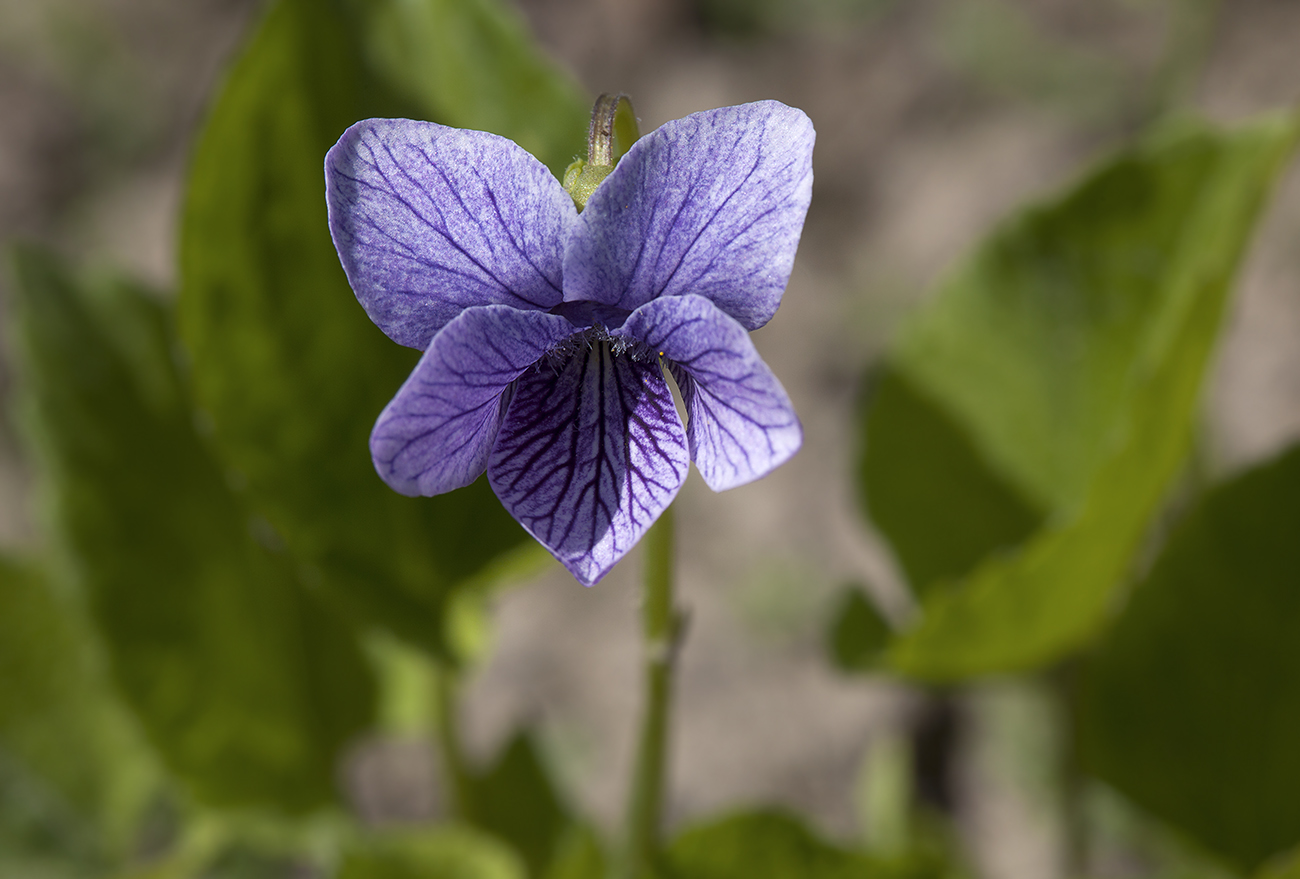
x=934 y=118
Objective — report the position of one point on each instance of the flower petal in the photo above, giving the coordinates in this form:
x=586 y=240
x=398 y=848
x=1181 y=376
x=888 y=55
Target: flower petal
x=589 y=455
x=437 y=432
x=740 y=422
x=430 y=220
x=711 y=204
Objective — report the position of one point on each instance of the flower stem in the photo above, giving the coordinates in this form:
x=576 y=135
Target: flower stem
x=613 y=130
x=661 y=628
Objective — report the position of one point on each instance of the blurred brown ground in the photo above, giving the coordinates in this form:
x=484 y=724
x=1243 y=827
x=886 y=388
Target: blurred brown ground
x=934 y=118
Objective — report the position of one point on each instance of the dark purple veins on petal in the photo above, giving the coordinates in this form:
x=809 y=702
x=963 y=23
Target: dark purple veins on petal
x=430 y=220
x=591 y=451
x=740 y=422
x=437 y=432
x=711 y=204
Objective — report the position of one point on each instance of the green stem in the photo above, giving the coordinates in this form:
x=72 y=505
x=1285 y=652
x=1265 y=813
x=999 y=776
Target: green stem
x=661 y=628
x=612 y=132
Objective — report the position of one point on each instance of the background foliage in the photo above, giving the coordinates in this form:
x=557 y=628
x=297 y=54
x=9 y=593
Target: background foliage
x=225 y=599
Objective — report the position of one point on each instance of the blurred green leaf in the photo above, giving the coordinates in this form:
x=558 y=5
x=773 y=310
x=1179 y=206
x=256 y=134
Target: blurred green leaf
x=771 y=845
x=1285 y=867
x=1038 y=344
x=244 y=684
x=579 y=855
x=447 y=852
x=79 y=768
x=1070 y=350
x=515 y=800
x=858 y=634
x=472 y=64
x=1191 y=707
x=287 y=364
x=928 y=490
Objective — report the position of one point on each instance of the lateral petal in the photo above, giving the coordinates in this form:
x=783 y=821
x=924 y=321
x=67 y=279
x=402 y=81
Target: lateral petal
x=590 y=453
x=711 y=204
x=430 y=220
x=740 y=422
x=436 y=433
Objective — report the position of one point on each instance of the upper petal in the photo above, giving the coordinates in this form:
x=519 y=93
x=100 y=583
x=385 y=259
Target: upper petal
x=590 y=453
x=711 y=204
x=437 y=432
x=740 y=422
x=430 y=220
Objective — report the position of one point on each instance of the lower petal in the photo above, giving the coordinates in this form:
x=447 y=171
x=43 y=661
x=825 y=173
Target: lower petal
x=591 y=451
x=741 y=423
x=437 y=432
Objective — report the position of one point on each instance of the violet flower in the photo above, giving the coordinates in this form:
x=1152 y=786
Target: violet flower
x=543 y=329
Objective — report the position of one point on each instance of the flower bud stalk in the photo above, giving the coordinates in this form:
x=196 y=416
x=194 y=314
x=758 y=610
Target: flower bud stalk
x=612 y=132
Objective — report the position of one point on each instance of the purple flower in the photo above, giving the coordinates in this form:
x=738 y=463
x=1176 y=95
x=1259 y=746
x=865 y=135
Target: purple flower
x=543 y=329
